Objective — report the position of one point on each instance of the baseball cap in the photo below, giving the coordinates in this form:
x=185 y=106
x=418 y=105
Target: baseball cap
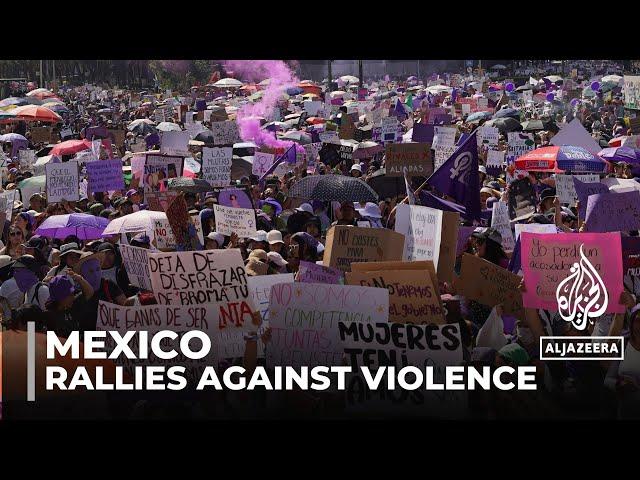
x=356 y=166
x=131 y=192
x=276 y=258
x=274 y=236
x=260 y=236
x=305 y=207
x=218 y=237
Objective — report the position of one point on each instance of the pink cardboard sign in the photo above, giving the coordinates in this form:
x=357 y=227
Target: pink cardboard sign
x=573 y=273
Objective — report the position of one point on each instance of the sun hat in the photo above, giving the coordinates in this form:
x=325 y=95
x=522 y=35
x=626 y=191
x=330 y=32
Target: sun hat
x=260 y=236
x=255 y=267
x=274 y=236
x=276 y=258
x=356 y=166
x=370 y=210
x=70 y=248
x=258 y=254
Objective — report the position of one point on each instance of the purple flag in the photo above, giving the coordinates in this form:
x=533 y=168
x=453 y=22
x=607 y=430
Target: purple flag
x=275 y=164
x=291 y=155
x=583 y=190
x=458 y=177
x=422 y=133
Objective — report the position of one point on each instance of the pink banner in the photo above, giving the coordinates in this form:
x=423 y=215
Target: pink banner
x=573 y=273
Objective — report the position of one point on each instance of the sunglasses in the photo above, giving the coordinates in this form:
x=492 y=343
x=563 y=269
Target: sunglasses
x=15 y=234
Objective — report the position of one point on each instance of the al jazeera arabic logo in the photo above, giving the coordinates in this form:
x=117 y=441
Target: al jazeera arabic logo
x=582 y=297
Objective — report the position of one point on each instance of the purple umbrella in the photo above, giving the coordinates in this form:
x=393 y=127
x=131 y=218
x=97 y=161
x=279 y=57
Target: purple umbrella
x=83 y=225
x=621 y=154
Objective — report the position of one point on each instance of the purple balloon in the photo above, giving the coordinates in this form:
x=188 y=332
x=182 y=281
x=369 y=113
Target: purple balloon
x=574 y=102
x=550 y=97
x=595 y=86
x=509 y=87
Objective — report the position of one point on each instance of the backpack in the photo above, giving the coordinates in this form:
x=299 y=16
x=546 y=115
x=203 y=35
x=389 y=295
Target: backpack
x=36 y=297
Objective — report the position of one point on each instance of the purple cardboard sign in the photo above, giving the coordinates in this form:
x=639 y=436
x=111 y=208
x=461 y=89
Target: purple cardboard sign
x=105 y=175
x=234 y=197
x=613 y=212
x=583 y=190
x=422 y=133
x=310 y=272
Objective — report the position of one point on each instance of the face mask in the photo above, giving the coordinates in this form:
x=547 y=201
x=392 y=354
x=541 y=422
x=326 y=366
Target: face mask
x=25 y=279
x=92 y=273
x=109 y=274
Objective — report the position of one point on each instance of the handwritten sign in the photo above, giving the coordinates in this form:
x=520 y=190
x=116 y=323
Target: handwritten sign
x=444 y=136
x=260 y=291
x=310 y=272
x=501 y=222
x=346 y=245
x=413 y=298
x=136 y=263
x=490 y=285
x=62 y=181
x=547 y=260
x=27 y=158
x=566 y=189
x=163 y=234
x=613 y=212
x=495 y=158
x=105 y=175
x=225 y=133
x=241 y=221
x=414 y=157
x=261 y=163
x=305 y=320
x=216 y=165
x=421 y=227
x=518 y=144
x=174 y=143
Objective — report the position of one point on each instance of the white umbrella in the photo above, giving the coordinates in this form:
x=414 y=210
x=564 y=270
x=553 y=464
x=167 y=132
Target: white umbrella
x=168 y=127
x=349 y=79
x=142 y=221
x=612 y=78
x=553 y=78
x=499 y=67
x=337 y=93
x=228 y=83
x=436 y=89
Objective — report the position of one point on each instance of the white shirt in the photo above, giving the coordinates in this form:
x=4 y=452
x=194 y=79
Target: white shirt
x=41 y=299
x=12 y=293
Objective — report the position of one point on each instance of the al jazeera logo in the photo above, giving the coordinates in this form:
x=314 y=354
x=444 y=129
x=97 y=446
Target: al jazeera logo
x=582 y=297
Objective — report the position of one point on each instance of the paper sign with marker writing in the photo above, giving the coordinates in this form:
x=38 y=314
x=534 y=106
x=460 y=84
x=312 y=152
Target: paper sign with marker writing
x=444 y=136
x=241 y=221
x=216 y=165
x=613 y=212
x=414 y=157
x=566 y=189
x=306 y=319
x=260 y=291
x=347 y=245
x=261 y=163
x=62 y=181
x=501 y=222
x=136 y=263
x=174 y=143
x=596 y=260
x=421 y=227
x=163 y=234
x=105 y=176
x=495 y=158
x=310 y=272
x=225 y=133
x=534 y=228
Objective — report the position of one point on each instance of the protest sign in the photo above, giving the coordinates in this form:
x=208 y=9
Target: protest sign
x=330 y=154
x=490 y=285
x=422 y=133
x=241 y=221
x=312 y=107
x=501 y=222
x=631 y=256
x=160 y=201
x=158 y=168
x=613 y=212
x=62 y=181
x=260 y=291
x=522 y=198
x=225 y=133
x=495 y=158
x=27 y=158
x=518 y=144
x=414 y=157
x=345 y=154
x=9 y=197
x=311 y=151
x=463 y=236
x=443 y=153
x=346 y=245
x=534 y=228
x=584 y=190
x=216 y=165
x=178 y=218
x=384 y=345
x=329 y=136
x=565 y=188
x=347 y=127
x=204 y=277
x=488 y=136
x=389 y=129
x=118 y=136
x=174 y=143
x=310 y=272
x=65 y=133
x=421 y=227
x=576 y=135
x=42 y=135
x=105 y=176
x=596 y=263
x=261 y=163
x=136 y=263
x=444 y=136
x=413 y=298
x=448 y=238
x=306 y=320
x=163 y=234
x=631 y=92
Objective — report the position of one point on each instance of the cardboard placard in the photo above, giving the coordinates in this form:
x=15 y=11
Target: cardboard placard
x=42 y=135
x=415 y=157
x=62 y=181
x=490 y=284
x=421 y=228
x=448 y=242
x=136 y=263
x=613 y=212
x=241 y=221
x=346 y=245
x=160 y=201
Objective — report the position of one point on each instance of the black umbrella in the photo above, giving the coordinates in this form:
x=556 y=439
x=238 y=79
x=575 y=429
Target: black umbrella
x=189 y=185
x=340 y=188
x=205 y=136
x=241 y=167
x=143 y=129
x=386 y=187
x=532 y=125
x=505 y=124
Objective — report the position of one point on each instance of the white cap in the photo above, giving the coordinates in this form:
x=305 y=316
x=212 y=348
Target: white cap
x=260 y=236
x=356 y=166
x=305 y=207
x=274 y=236
x=218 y=237
x=276 y=258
